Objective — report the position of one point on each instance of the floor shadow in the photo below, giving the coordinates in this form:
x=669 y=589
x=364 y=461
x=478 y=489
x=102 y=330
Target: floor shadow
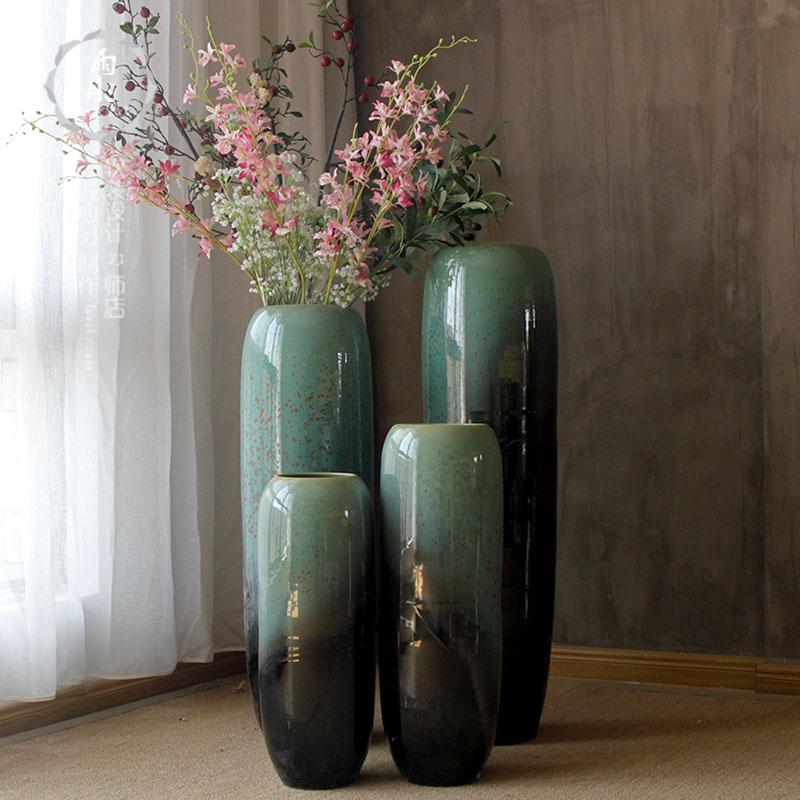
x=378 y=737
x=372 y=775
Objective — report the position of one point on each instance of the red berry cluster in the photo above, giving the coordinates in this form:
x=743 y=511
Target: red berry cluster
x=368 y=81
x=338 y=33
x=343 y=31
x=289 y=47
x=134 y=81
x=144 y=11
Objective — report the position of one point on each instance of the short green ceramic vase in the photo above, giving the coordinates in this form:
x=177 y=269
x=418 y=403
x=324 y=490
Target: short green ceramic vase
x=316 y=623
x=440 y=629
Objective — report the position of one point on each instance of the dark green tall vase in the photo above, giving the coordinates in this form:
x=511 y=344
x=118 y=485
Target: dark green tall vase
x=440 y=630
x=306 y=406
x=490 y=355
x=316 y=622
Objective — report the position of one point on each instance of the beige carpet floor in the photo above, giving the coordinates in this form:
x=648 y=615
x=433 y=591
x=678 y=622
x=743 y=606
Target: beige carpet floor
x=596 y=741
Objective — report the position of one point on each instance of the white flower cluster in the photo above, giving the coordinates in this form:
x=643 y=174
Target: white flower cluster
x=271 y=256
x=284 y=261
x=346 y=287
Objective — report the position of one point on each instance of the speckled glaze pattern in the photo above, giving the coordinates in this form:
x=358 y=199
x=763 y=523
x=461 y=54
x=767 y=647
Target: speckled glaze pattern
x=306 y=405
x=316 y=611
x=440 y=628
x=490 y=355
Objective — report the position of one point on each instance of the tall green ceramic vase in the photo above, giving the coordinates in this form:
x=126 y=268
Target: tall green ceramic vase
x=490 y=355
x=316 y=622
x=306 y=406
x=440 y=630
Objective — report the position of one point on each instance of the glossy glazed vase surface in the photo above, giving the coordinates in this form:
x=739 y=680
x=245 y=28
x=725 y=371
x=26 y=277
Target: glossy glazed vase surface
x=490 y=355
x=316 y=605
x=306 y=405
x=440 y=629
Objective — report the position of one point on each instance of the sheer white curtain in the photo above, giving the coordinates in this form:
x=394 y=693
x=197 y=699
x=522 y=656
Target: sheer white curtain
x=120 y=533
x=107 y=540
x=119 y=358
x=99 y=531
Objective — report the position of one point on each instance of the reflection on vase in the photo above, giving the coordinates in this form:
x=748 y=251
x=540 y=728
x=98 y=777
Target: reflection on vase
x=440 y=630
x=316 y=604
x=490 y=356
x=306 y=405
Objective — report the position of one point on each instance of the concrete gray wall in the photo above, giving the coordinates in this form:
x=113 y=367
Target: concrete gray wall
x=651 y=150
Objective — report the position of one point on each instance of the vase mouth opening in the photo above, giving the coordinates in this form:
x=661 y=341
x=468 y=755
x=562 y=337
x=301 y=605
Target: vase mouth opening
x=315 y=475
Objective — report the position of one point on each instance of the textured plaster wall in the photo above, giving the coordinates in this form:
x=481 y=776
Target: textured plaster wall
x=651 y=150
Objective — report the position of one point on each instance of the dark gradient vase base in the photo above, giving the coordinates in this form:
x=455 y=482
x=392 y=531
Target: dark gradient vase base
x=438 y=735
x=526 y=661
x=529 y=561
x=317 y=713
x=521 y=713
x=520 y=728
x=423 y=757
x=314 y=782
x=423 y=760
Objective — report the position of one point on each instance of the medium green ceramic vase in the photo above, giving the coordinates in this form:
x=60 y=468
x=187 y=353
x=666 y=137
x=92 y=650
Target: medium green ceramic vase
x=316 y=622
x=306 y=406
x=440 y=629
x=490 y=355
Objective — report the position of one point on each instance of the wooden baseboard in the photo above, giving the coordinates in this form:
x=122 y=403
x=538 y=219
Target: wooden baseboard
x=676 y=669
x=778 y=678
x=99 y=695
